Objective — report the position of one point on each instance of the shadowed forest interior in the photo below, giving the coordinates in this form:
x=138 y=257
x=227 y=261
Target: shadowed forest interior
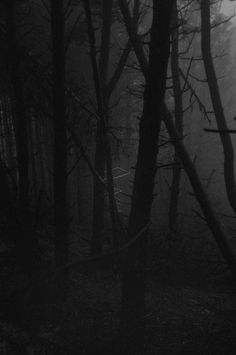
x=117 y=177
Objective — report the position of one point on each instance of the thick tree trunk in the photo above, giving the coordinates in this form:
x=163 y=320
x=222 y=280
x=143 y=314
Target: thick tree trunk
x=133 y=286
x=217 y=104
x=176 y=174
x=60 y=143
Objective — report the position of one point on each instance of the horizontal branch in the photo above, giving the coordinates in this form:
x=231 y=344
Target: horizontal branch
x=214 y=130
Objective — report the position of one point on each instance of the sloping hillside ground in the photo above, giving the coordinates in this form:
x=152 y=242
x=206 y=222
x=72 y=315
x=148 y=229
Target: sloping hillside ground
x=190 y=306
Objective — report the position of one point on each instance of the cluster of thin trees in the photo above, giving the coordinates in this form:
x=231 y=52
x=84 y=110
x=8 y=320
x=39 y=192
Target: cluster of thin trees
x=26 y=111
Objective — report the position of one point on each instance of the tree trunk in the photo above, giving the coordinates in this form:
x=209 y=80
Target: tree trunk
x=102 y=106
x=133 y=285
x=217 y=104
x=176 y=174
x=21 y=228
x=25 y=242
x=98 y=187
x=60 y=144
x=103 y=153
x=40 y=156
x=10 y=138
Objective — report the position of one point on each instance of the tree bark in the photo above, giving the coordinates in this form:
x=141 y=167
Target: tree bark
x=133 y=284
x=217 y=104
x=60 y=143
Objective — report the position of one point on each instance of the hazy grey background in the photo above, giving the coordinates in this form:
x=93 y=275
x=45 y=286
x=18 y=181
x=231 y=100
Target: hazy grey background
x=229 y=7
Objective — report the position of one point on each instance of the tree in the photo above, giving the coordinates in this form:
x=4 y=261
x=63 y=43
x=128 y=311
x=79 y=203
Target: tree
x=103 y=153
x=60 y=143
x=24 y=243
x=200 y=193
x=133 y=284
x=217 y=104
x=177 y=91
x=21 y=228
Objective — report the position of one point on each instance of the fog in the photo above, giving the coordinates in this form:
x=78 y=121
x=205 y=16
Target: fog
x=117 y=177
x=228 y=7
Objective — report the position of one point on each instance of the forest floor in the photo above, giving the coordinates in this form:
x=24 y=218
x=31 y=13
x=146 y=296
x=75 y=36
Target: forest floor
x=190 y=309
x=190 y=305
x=180 y=318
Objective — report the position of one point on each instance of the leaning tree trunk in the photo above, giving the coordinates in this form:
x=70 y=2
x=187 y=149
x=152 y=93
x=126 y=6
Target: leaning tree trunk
x=217 y=104
x=60 y=144
x=133 y=284
x=176 y=174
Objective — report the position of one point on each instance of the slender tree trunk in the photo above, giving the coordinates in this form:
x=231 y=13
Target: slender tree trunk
x=102 y=130
x=26 y=243
x=7 y=212
x=100 y=153
x=217 y=104
x=40 y=157
x=176 y=175
x=60 y=143
x=10 y=138
x=21 y=228
x=133 y=285
x=33 y=166
x=98 y=189
x=103 y=74
x=98 y=195
x=11 y=146
x=3 y=135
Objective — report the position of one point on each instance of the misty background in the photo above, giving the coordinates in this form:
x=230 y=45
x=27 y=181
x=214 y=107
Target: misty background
x=117 y=177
